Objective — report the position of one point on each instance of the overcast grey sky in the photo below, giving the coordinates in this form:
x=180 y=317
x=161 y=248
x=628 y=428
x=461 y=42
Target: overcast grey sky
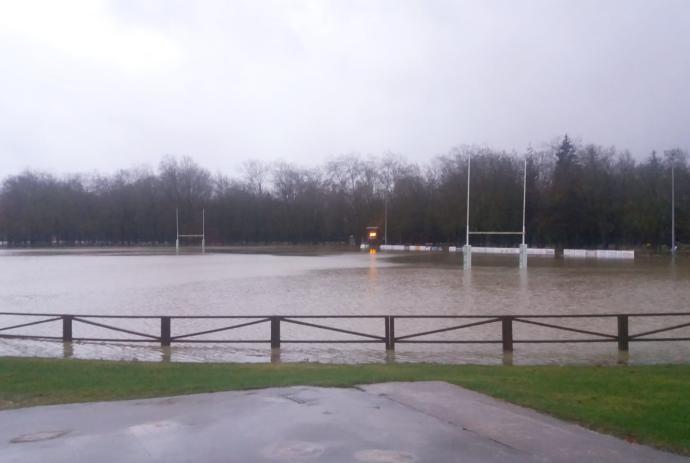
x=101 y=85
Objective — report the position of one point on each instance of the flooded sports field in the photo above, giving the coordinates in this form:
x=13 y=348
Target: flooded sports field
x=320 y=281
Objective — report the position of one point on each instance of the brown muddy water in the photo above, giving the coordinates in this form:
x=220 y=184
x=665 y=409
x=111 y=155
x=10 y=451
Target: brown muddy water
x=318 y=281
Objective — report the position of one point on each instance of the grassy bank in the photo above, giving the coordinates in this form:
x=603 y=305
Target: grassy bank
x=647 y=404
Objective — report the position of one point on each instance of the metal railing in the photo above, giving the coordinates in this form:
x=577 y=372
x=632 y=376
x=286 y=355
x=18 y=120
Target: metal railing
x=388 y=337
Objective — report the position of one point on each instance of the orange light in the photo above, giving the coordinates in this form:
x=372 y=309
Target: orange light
x=372 y=234
x=372 y=251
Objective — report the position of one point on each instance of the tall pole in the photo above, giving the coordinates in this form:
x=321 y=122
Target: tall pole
x=177 y=231
x=203 y=231
x=523 y=246
x=524 y=199
x=673 y=207
x=467 y=249
x=385 y=219
x=467 y=227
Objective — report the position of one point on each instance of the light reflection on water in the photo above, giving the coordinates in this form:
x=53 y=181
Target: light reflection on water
x=343 y=284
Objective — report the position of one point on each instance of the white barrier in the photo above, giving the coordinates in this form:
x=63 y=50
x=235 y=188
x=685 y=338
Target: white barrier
x=401 y=247
x=548 y=252
x=392 y=247
x=541 y=252
x=598 y=254
x=506 y=251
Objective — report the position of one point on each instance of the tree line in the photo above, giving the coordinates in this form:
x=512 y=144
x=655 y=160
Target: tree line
x=578 y=195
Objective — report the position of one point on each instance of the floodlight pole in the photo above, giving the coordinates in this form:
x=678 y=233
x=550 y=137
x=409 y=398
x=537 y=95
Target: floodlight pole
x=673 y=206
x=467 y=249
x=385 y=218
x=177 y=231
x=523 y=246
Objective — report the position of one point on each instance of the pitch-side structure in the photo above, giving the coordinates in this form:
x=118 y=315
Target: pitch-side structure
x=467 y=249
x=202 y=235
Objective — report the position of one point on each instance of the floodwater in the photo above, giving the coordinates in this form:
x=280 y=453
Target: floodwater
x=311 y=281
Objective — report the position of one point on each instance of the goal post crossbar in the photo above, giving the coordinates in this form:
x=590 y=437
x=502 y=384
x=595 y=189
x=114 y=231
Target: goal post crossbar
x=196 y=235
x=495 y=233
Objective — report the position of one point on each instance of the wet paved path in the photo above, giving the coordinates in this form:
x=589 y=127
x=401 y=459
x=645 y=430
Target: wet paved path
x=383 y=423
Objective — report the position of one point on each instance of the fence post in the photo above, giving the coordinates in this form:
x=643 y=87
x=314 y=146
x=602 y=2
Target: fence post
x=275 y=332
x=386 y=336
x=67 y=328
x=623 y=336
x=165 y=331
x=391 y=333
x=507 y=333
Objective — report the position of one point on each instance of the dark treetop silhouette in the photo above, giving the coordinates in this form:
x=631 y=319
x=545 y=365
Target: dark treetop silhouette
x=577 y=196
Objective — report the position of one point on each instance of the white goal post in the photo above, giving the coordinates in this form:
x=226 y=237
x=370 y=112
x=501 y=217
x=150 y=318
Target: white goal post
x=202 y=235
x=467 y=249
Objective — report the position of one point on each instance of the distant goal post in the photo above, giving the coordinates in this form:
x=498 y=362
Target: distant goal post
x=190 y=236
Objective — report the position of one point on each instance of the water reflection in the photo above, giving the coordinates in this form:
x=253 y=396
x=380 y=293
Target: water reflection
x=391 y=357
x=275 y=355
x=67 y=350
x=373 y=272
x=166 y=353
x=623 y=357
x=467 y=288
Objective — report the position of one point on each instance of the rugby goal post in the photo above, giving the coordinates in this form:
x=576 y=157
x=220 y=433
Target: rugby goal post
x=179 y=235
x=467 y=249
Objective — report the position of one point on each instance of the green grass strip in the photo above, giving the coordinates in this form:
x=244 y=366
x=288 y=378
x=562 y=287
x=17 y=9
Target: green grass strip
x=646 y=404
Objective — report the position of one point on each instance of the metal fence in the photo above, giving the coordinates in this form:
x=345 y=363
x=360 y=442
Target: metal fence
x=386 y=326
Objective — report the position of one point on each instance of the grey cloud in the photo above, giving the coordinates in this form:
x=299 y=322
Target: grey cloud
x=96 y=85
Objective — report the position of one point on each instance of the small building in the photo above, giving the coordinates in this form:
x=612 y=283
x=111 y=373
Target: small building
x=372 y=238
